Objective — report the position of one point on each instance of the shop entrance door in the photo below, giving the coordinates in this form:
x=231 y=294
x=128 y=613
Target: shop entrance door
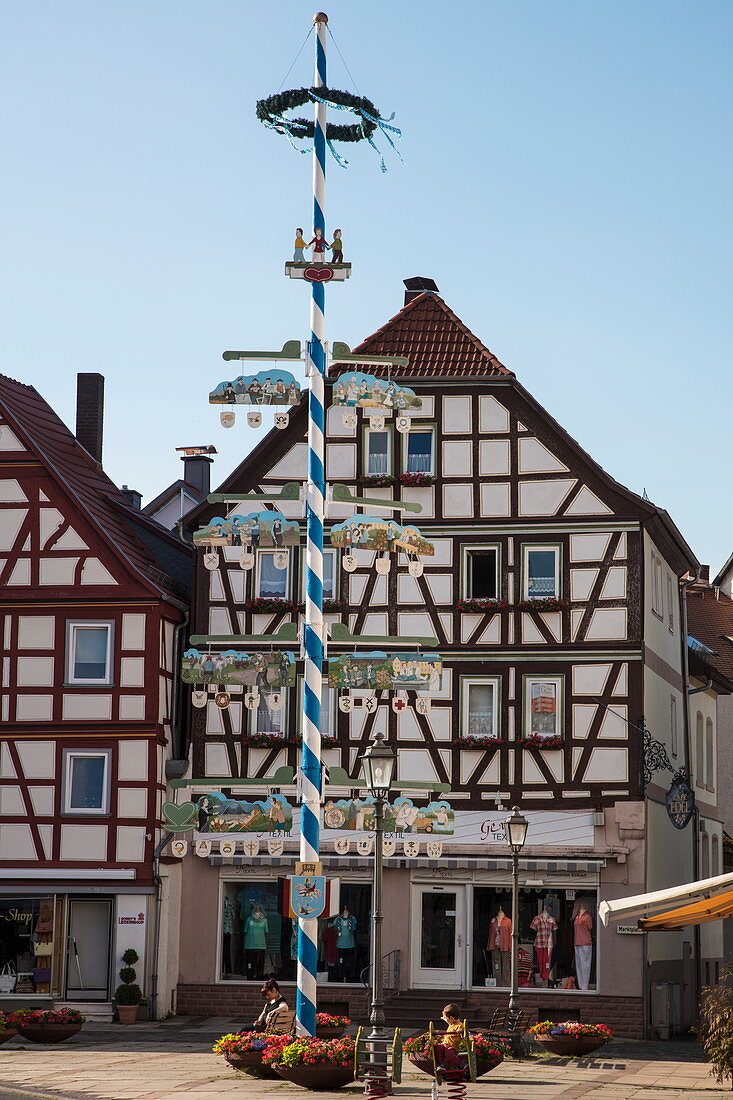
x=438 y=937
x=88 y=951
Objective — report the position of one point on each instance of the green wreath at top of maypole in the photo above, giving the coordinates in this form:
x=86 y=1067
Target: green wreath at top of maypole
x=271 y=112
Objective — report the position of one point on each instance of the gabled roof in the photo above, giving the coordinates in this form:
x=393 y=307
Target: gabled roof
x=170 y=493
x=98 y=497
x=437 y=343
x=710 y=621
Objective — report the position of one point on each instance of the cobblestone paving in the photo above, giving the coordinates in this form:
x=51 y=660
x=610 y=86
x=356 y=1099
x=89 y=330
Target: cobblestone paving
x=174 y=1059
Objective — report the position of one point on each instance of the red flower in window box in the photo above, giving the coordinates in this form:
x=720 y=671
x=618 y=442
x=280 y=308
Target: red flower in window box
x=416 y=479
x=272 y=604
x=479 y=604
x=537 y=741
x=543 y=603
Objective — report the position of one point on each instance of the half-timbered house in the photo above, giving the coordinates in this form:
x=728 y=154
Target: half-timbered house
x=553 y=597
x=94 y=596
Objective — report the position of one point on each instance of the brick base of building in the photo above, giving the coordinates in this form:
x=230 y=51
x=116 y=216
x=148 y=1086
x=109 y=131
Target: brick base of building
x=245 y=1002
x=624 y=1015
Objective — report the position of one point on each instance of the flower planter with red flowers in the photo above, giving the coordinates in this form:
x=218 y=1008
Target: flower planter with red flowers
x=376 y=481
x=270 y=605
x=542 y=603
x=488 y=1055
x=480 y=605
x=316 y=1064
x=537 y=741
x=415 y=480
x=7 y=1030
x=570 y=1039
x=46 y=1025
x=330 y=1027
x=279 y=740
x=245 y=1052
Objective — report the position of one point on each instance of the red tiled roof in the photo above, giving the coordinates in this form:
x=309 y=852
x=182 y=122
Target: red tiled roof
x=98 y=496
x=710 y=621
x=435 y=341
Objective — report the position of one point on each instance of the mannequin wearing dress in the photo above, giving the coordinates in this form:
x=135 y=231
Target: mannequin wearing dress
x=345 y=925
x=544 y=926
x=500 y=946
x=583 y=943
x=255 y=942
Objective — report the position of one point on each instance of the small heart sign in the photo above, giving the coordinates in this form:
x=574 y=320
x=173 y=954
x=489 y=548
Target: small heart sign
x=179 y=819
x=318 y=274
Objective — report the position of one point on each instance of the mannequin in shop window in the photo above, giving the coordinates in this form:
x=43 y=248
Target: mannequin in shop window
x=500 y=946
x=583 y=943
x=227 y=961
x=345 y=925
x=255 y=942
x=544 y=926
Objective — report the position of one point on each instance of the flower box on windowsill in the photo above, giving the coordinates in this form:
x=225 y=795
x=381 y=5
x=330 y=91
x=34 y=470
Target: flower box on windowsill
x=271 y=604
x=538 y=742
x=479 y=605
x=543 y=603
x=479 y=742
x=376 y=481
x=275 y=740
x=415 y=480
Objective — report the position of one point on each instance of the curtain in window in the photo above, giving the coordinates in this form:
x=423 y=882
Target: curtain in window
x=377 y=455
x=273 y=582
x=480 y=710
x=419 y=452
x=541 y=573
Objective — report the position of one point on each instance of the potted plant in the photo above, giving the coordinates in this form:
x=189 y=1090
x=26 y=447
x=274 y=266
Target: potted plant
x=488 y=1054
x=330 y=1027
x=715 y=1026
x=46 y=1025
x=128 y=995
x=244 y=1051
x=570 y=1038
x=7 y=1030
x=317 y=1064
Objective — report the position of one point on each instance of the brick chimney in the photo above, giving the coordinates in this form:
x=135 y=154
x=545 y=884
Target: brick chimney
x=197 y=472
x=417 y=285
x=133 y=498
x=90 y=413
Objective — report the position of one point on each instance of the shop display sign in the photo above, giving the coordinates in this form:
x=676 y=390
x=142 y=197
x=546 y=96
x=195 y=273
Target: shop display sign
x=263 y=671
x=414 y=671
x=219 y=814
x=680 y=799
x=369 y=533
x=400 y=816
x=308 y=895
x=267 y=387
x=268 y=529
x=365 y=391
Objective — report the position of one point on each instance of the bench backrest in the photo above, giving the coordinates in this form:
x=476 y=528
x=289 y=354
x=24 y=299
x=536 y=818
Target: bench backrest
x=282 y=1022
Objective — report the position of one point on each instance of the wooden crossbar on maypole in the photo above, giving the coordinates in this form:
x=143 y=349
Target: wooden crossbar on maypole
x=310 y=761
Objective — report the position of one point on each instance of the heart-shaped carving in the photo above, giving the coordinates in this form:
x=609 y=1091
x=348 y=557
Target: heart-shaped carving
x=318 y=274
x=179 y=819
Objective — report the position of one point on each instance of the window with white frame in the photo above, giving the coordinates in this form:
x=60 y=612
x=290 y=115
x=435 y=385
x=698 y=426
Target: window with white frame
x=673 y=723
x=480 y=707
x=541 y=572
x=86 y=781
x=420 y=451
x=657 y=585
x=88 y=653
x=266 y=719
x=709 y=755
x=330 y=588
x=328 y=708
x=378 y=451
x=543 y=706
x=272 y=583
x=481 y=573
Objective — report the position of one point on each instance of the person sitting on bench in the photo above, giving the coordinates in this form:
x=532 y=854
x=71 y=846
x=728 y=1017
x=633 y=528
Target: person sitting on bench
x=274 y=1001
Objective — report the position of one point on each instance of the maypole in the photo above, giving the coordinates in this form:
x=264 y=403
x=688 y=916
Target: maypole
x=310 y=764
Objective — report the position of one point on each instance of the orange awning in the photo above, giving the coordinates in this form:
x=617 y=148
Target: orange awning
x=699 y=912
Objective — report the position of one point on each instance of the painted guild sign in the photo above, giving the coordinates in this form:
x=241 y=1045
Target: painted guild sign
x=257 y=529
x=267 y=387
x=400 y=816
x=416 y=671
x=219 y=814
x=307 y=895
x=680 y=801
x=264 y=672
x=369 y=533
x=364 y=391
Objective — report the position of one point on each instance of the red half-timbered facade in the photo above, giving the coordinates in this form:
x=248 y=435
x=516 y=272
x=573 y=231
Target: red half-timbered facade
x=93 y=599
x=553 y=596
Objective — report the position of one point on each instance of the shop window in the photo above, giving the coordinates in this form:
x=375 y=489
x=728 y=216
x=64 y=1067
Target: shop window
x=330 y=588
x=541 y=572
x=26 y=945
x=480 y=573
x=259 y=938
x=89 y=653
x=419 y=452
x=557 y=938
x=378 y=452
x=86 y=782
x=543 y=706
x=272 y=583
x=480 y=706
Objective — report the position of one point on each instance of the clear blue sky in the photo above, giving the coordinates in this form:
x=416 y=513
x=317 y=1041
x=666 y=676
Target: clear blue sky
x=567 y=184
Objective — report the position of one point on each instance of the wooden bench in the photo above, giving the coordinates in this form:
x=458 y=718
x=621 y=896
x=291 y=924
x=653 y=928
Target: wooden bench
x=509 y=1026
x=281 y=1022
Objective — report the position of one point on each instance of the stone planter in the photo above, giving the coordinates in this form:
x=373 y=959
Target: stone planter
x=330 y=1032
x=7 y=1033
x=569 y=1045
x=318 y=1078
x=483 y=1065
x=250 y=1061
x=52 y=1033
x=127 y=1013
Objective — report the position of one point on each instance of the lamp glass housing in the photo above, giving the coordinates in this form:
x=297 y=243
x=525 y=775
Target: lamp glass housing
x=516 y=827
x=378 y=765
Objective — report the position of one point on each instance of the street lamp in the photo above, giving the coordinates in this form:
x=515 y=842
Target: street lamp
x=378 y=764
x=516 y=830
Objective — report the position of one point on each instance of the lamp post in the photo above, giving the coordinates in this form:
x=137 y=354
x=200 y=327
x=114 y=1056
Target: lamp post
x=516 y=828
x=378 y=763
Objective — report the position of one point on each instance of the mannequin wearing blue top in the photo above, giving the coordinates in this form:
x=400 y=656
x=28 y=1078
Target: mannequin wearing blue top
x=345 y=925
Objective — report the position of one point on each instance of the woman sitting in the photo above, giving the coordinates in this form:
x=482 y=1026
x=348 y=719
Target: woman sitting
x=274 y=1001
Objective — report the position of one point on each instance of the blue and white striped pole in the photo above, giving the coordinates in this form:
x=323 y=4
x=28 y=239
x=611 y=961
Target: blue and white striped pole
x=310 y=764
